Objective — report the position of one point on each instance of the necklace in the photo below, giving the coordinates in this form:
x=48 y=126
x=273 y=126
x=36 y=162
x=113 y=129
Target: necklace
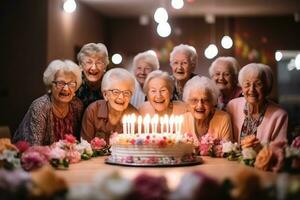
x=61 y=113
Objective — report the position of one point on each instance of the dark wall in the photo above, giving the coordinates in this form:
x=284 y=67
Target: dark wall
x=23 y=55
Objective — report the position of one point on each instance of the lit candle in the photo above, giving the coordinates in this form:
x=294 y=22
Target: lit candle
x=124 y=121
x=161 y=120
x=171 y=123
x=155 y=119
x=166 y=119
x=180 y=124
x=146 y=123
x=133 y=119
x=140 y=121
x=152 y=124
x=176 y=124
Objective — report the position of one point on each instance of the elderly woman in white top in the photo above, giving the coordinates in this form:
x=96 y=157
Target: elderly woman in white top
x=254 y=116
x=56 y=113
x=143 y=64
x=158 y=87
x=200 y=94
x=183 y=61
x=224 y=71
x=93 y=59
x=103 y=117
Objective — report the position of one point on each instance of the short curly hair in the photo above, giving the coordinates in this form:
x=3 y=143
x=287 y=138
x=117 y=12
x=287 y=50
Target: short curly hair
x=90 y=49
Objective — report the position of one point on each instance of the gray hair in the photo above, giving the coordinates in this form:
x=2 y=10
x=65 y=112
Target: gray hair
x=117 y=75
x=162 y=75
x=90 y=49
x=65 y=66
x=263 y=71
x=147 y=56
x=201 y=84
x=233 y=64
x=190 y=51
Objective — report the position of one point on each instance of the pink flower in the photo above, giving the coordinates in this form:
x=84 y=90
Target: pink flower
x=162 y=143
x=57 y=153
x=73 y=156
x=32 y=160
x=98 y=143
x=22 y=145
x=296 y=143
x=204 y=149
x=70 y=138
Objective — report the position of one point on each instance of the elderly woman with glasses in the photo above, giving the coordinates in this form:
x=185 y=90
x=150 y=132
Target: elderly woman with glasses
x=201 y=94
x=104 y=117
x=143 y=64
x=56 y=113
x=183 y=61
x=224 y=71
x=158 y=87
x=254 y=115
x=93 y=59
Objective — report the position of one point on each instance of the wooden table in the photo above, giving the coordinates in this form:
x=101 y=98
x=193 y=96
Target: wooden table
x=219 y=168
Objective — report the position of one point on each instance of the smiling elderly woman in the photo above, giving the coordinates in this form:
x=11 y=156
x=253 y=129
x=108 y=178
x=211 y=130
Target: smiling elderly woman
x=224 y=71
x=143 y=64
x=57 y=113
x=183 y=61
x=200 y=94
x=93 y=59
x=103 y=117
x=158 y=87
x=254 y=114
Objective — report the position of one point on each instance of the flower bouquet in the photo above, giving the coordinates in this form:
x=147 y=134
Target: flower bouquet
x=99 y=147
x=210 y=146
x=9 y=157
x=58 y=159
x=231 y=150
x=248 y=156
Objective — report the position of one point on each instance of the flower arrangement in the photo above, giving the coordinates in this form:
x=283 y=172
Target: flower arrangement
x=85 y=149
x=99 y=147
x=230 y=150
x=248 y=156
x=209 y=146
x=8 y=155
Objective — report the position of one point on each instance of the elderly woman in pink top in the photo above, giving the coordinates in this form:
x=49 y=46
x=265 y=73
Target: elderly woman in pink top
x=254 y=114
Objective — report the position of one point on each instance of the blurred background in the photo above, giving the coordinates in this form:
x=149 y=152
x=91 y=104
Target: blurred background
x=34 y=32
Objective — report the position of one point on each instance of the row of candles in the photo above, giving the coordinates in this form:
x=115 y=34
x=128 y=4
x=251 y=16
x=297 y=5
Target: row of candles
x=172 y=124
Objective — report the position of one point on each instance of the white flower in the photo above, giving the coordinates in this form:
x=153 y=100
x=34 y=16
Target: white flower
x=291 y=152
x=57 y=153
x=248 y=153
x=227 y=147
x=187 y=187
x=8 y=155
x=84 y=146
x=111 y=185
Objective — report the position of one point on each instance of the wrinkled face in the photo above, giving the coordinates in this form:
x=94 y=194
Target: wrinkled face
x=63 y=87
x=158 y=94
x=93 y=67
x=141 y=71
x=200 y=104
x=181 y=66
x=253 y=88
x=118 y=96
x=224 y=76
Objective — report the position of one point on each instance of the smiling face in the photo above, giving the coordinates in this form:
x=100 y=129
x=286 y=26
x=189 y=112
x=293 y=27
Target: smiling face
x=253 y=88
x=181 y=66
x=119 y=95
x=224 y=76
x=141 y=71
x=158 y=94
x=63 y=89
x=93 y=67
x=200 y=103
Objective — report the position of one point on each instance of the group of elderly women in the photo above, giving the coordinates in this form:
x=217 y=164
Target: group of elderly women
x=87 y=101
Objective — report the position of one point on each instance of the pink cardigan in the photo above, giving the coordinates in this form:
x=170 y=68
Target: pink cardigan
x=273 y=126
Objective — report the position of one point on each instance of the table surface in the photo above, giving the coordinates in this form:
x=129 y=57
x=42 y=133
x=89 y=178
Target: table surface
x=219 y=168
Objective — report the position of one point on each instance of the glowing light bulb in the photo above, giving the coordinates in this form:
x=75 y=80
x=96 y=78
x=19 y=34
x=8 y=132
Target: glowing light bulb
x=163 y=29
x=297 y=61
x=161 y=15
x=278 y=56
x=116 y=58
x=177 y=4
x=211 y=51
x=69 y=6
x=226 y=42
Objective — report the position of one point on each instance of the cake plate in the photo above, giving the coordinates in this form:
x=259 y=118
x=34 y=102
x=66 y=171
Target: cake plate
x=197 y=161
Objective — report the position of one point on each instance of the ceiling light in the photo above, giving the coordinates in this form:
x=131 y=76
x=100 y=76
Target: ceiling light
x=116 y=58
x=297 y=61
x=278 y=56
x=69 y=6
x=177 y=4
x=161 y=15
x=163 y=29
x=226 y=42
x=211 y=51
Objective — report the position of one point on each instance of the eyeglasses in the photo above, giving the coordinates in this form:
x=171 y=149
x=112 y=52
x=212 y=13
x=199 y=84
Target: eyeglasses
x=61 y=84
x=224 y=74
x=97 y=63
x=195 y=101
x=183 y=63
x=116 y=93
x=257 y=85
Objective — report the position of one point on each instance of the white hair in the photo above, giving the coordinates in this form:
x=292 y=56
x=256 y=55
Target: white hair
x=117 y=75
x=233 y=64
x=190 y=51
x=263 y=71
x=91 y=49
x=162 y=75
x=201 y=84
x=147 y=56
x=65 y=66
